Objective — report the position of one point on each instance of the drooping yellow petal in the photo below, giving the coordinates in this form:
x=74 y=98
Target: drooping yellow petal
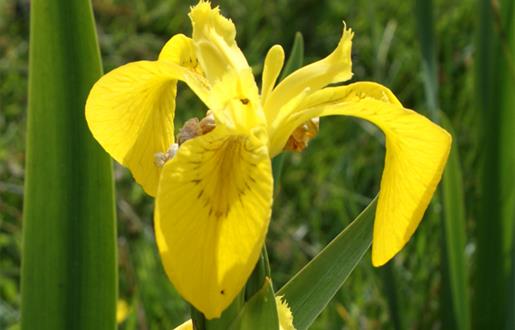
x=130 y=113
x=212 y=212
x=416 y=153
x=336 y=67
x=214 y=39
x=274 y=61
x=306 y=106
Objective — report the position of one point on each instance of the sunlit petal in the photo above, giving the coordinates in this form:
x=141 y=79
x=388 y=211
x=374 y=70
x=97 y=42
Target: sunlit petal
x=416 y=152
x=284 y=314
x=181 y=50
x=130 y=112
x=212 y=212
x=235 y=101
x=308 y=105
x=274 y=61
x=215 y=44
x=336 y=67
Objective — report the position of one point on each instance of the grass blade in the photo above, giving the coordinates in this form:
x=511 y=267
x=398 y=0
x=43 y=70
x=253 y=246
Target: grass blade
x=425 y=28
x=495 y=82
x=456 y=274
x=455 y=302
x=69 y=238
x=311 y=289
x=390 y=291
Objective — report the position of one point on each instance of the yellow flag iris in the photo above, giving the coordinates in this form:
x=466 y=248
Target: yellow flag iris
x=214 y=191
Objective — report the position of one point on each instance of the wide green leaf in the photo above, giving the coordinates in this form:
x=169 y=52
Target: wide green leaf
x=311 y=289
x=259 y=312
x=69 y=237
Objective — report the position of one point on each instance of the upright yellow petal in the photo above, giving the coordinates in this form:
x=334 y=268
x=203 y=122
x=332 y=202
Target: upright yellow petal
x=212 y=212
x=274 y=61
x=215 y=44
x=130 y=113
x=235 y=101
x=336 y=67
x=181 y=50
x=416 y=153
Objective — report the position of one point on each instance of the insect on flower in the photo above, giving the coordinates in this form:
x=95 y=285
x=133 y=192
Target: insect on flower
x=213 y=185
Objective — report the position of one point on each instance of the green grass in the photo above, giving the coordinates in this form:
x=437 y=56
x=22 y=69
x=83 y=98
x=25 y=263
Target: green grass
x=322 y=189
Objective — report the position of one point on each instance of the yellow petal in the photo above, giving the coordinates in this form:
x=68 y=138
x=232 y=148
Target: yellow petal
x=215 y=44
x=235 y=101
x=181 y=50
x=284 y=314
x=274 y=61
x=212 y=212
x=336 y=67
x=416 y=153
x=130 y=113
x=188 y=325
x=122 y=311
x=306 y=106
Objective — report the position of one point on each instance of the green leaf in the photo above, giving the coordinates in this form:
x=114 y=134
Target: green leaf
x=296 y=58
x=424 y=19
x=455 y=303
x=495 y=83
x=69 y=236
x=227 y=318
x=258 y=276
x=455 y=239
x=391 y=293
x=311 y=289
x=259 y=312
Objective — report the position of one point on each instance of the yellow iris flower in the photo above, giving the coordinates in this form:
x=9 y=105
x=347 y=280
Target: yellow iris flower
x=214 y=191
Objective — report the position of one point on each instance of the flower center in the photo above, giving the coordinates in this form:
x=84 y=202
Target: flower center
x=299 y=139
x=192 y=128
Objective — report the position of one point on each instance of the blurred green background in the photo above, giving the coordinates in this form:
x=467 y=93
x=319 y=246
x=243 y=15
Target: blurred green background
x=322 y=189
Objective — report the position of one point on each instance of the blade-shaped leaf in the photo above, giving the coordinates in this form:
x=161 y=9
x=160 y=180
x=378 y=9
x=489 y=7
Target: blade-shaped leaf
x=311 y=289
x=259 y=312
x=69 y=238
x=495 y=83
x=455 y=240
x=455 y=303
